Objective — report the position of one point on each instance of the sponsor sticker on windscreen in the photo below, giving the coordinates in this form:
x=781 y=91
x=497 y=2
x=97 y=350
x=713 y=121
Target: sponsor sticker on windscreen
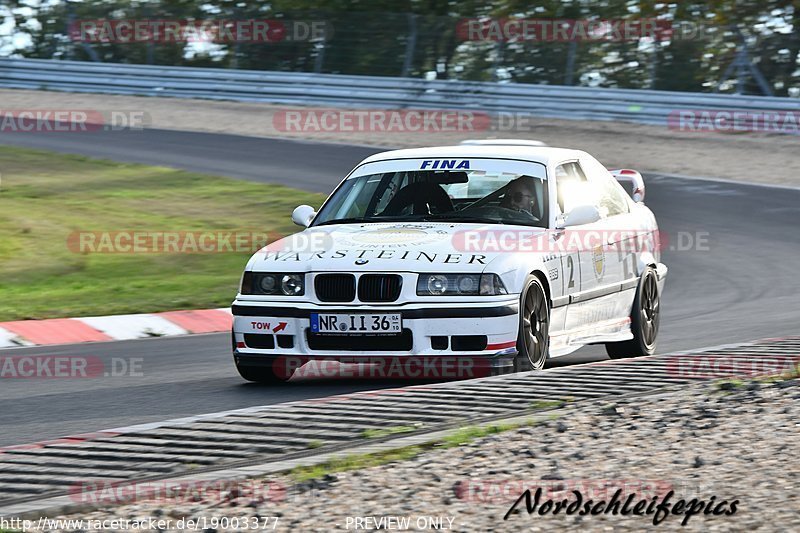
x=492 y=168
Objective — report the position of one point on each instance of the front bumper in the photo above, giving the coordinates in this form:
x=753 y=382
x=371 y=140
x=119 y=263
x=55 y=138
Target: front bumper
x=264 y=330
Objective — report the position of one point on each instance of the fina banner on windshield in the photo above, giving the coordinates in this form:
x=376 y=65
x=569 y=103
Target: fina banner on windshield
x=501 y=168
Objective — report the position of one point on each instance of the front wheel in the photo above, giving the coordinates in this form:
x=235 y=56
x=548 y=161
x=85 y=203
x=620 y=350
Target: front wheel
x=533 y=339
x=645 y=318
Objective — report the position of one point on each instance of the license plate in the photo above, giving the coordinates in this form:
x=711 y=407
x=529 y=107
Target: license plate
x=357 y=324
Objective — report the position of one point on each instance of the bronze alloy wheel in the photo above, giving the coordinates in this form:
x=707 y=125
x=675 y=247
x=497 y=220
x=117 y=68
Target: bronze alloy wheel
x=645 y=318
x=533 y=341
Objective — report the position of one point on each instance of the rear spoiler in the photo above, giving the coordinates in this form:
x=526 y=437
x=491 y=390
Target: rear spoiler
x=627 y=175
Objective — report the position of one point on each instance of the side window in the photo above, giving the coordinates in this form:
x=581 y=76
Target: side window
x=612 y=197
x=572 y=187
x=344 y=204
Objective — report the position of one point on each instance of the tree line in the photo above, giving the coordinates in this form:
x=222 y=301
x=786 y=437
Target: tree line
x=719 y=45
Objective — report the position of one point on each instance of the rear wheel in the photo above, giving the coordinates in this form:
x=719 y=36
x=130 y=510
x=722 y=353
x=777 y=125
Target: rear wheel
x=533 y=339
x=645 y=318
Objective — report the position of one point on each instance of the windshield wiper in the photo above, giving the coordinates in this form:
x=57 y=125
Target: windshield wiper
x=353 y=220
x=368 y=220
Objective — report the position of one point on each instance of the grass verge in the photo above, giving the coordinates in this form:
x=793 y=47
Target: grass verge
x=46 y=197
x=546 y=404
x=385 y=432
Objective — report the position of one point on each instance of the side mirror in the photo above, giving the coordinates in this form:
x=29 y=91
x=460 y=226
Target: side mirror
x=303 y=215
x=582 y=214
x=626 y=175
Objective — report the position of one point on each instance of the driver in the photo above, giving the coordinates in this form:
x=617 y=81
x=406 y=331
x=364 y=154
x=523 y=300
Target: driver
x=519 y=195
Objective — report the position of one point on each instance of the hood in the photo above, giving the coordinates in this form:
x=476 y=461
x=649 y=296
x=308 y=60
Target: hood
x=381 y=247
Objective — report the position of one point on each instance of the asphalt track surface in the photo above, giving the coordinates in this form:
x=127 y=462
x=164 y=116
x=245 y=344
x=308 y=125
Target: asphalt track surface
x=740 y=284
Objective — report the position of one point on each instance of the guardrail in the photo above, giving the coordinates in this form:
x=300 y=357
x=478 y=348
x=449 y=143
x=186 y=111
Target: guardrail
x=641 y=106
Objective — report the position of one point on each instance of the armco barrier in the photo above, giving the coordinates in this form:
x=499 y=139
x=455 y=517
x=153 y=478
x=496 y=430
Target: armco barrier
x=292 y=88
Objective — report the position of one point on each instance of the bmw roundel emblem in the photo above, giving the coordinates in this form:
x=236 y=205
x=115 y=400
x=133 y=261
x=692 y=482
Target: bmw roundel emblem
x=362 y=261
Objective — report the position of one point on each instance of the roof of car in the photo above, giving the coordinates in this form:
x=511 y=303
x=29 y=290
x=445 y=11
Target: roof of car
x=536 y=154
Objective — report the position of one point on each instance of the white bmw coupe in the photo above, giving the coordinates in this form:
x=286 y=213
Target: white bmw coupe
x=508 y=252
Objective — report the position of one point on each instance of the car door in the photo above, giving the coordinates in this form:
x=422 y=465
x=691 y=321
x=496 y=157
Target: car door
x=617 y=277
x=570 y=186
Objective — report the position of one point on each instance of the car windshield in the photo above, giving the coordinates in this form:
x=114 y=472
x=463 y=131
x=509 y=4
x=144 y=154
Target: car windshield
x=497 y=191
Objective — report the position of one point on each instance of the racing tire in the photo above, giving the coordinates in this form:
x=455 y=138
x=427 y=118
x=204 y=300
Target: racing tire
x=533 y=339
x=645 y=319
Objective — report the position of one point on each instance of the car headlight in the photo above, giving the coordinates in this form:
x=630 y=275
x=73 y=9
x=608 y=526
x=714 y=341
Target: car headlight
x=278 y=284
x=267 y=284
x=460 y=285
x=292 y=284
x=436 y=284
